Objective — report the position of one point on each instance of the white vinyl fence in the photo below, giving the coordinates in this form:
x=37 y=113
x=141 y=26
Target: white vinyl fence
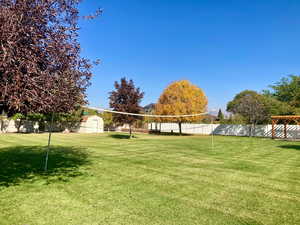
x=92 y=124
x=293 y=131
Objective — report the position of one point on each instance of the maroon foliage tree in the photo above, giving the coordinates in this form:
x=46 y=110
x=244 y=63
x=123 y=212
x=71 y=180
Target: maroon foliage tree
x=126 y=98
x=40 y=65
x=41 y=70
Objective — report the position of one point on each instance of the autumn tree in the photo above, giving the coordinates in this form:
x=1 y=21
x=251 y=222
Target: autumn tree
x=41 y=70
x=126 y=98
x=181 y=98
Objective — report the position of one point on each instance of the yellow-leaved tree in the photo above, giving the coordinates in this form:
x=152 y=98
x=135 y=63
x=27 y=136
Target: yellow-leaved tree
x=181 y=98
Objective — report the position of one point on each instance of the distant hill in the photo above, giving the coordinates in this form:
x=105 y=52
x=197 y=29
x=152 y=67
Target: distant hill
x=149 y=108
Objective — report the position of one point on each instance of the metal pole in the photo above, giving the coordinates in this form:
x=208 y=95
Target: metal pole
x=2 y=118
x=49 y=142
x=212 y=135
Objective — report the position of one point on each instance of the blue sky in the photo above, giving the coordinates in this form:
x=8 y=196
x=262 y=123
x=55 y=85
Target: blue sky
x=223 y=47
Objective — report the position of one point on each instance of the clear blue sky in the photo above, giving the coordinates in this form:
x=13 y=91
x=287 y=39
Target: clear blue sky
x=224 y=47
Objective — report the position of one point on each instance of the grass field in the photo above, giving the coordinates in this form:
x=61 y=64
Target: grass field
x=108 y=179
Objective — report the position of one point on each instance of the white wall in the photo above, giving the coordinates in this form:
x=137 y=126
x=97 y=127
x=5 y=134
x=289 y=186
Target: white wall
x=293 y=131
x=94 y=124
x=11 y=126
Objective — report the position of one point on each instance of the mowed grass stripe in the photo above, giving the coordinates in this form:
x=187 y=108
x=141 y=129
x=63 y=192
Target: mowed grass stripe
x=153 y=180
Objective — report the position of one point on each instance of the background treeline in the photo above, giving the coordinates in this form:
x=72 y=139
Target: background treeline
x=251 y=107
x=247 y=107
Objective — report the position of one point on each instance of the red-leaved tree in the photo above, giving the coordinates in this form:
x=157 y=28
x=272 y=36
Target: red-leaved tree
x=40 y=65
x=41 y=70
x=126 y=98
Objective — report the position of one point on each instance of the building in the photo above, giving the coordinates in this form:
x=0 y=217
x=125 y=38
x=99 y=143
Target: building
x=91 y=124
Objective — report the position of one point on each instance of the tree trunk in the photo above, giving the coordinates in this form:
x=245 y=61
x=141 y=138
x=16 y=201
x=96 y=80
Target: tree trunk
x=251 y=130
x=49 y=143
x=180 y=130
x=2 y=125
x=19 y=125
x=2 y=120
x=130 y=131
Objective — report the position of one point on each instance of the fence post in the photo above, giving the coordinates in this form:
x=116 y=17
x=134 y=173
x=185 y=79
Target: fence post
x=285 y=130
x=273 y=129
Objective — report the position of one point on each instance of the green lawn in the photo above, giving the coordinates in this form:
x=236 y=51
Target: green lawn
x=108 y=179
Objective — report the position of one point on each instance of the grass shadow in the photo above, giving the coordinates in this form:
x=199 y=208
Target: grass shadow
x=168 y=133
x=22 y=163
x=121 y=136
x=292 y=147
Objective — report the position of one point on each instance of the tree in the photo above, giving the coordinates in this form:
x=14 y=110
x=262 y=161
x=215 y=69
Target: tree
x=235 y=119
x=276 y=107
x=251 y=106
x=220 y=115
x=107 y=119
x=256 y=108
x=268 y=104
x=41 y=69
x=19 y=118
x=181 y=98
x=234 y=103
x=286 y=90
x=126 y=98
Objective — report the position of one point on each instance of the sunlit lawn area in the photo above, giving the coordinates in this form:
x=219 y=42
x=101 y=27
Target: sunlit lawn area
x=108 y=179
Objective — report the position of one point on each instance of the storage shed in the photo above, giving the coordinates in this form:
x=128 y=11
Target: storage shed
x=91 y=124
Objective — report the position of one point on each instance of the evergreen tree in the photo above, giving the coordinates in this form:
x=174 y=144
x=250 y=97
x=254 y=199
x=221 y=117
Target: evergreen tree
x=220 y=115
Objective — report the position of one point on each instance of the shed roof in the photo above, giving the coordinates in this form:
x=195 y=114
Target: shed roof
x=85 y=118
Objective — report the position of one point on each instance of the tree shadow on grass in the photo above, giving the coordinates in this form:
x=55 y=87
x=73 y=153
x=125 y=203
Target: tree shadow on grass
x=169 y=133
x=292 y=147
x=22 y=163
x=120 y=136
